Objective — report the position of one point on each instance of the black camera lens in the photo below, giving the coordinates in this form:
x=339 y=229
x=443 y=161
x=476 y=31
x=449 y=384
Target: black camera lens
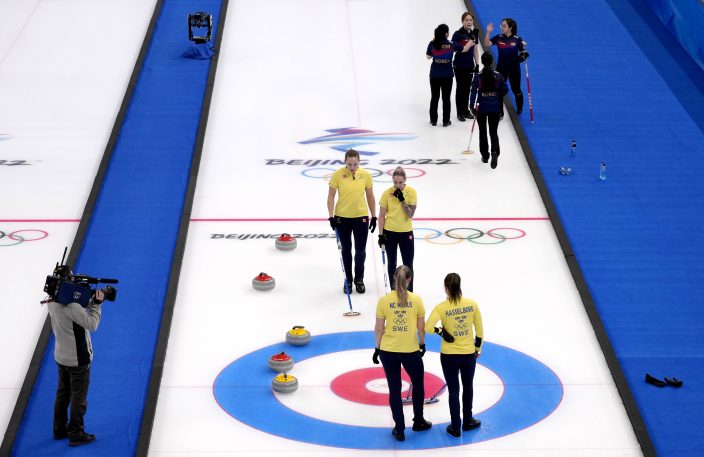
x=110 y=293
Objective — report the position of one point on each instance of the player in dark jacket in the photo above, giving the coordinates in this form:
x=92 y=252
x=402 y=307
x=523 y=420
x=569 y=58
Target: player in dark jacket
x=512 y=52
x=488 y=90
x=440 y=50
x=466 y=64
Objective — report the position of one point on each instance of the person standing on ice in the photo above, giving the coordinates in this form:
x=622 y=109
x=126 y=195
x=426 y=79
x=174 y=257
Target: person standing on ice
x=353 y=186
x=440 y=51
x=400 y=341
x=397 y=206
x=459 y=351
x=512 y=52
x=466 y=65
x=488 y=91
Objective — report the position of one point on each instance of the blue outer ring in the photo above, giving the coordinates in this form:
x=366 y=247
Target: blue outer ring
x=243 y=389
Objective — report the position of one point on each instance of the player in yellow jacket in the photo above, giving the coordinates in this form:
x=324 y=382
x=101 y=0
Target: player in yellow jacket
x=397 y=206
x=400 y=340
x=353 y=185
x=460 y=319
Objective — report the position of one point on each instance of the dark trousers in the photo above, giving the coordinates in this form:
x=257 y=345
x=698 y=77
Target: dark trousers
x=464 y=85
x=493 y=120
x=438 y=85
x=72 y=390
x=404 y=241
x=413 y=364
x=464 y=364
x=514 y=79
x=357 y=226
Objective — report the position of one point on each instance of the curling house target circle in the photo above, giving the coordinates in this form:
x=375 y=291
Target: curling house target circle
x=532 y=391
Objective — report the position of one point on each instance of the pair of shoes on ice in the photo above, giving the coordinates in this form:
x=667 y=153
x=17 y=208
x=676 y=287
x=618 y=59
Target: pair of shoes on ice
x=674 y=382
x=468 y=425
x=358 y=284
x=418 y=426
x=494 y=160
x=83 y=438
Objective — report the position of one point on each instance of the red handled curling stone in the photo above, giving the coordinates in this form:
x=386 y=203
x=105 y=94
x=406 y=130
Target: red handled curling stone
x=286 y=242
x=284 y=383
x=298 y=336
x=263 y=282
x=281 y=362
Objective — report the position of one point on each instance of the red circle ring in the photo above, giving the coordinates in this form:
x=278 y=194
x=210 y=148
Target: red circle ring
x=352 y=386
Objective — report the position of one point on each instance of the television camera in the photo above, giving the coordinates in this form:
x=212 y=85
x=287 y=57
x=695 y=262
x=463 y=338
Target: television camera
x=64 y=287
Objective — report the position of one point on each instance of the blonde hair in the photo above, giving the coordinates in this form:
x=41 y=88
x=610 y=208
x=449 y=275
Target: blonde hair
x=402 y=276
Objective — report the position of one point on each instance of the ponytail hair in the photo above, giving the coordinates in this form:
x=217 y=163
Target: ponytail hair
x=452 y=285
x=487 y=78
x=440 y=35
x=401 y=277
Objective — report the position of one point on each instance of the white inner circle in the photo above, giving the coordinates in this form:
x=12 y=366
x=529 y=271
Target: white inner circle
x=315 y=398
x=380 y=386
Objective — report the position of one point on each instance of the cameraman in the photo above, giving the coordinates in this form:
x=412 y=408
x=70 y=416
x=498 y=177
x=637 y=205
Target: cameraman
x=73 y=353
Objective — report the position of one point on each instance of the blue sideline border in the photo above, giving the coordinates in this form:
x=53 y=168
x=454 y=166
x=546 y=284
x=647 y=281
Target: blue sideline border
x=612 y=361
x=593 y=72
x=154 y=148
x=46 y=334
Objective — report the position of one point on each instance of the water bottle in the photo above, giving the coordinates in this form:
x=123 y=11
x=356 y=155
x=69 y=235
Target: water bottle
x=602 y=171
x=573 y=151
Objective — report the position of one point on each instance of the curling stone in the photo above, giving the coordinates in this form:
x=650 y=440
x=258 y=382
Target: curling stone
x=298 y=336
x=281 y=362
x=263 y=282
x=286 y=242
x=284 y=383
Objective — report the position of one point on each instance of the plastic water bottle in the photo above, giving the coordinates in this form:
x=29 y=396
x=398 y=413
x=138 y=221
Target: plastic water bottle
x=602 y=171
x=573 y=152
x=565 y=171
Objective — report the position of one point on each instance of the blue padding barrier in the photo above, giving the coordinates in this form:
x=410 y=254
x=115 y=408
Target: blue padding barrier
x=635 y=235
x=131 y=237
x=685 y=19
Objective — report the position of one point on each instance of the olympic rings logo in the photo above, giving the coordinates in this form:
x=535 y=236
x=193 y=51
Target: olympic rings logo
x=326 y=173
x=20 y=236
x=496 y=235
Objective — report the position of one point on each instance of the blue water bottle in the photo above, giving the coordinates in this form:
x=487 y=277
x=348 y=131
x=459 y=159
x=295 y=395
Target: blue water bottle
x=602 y=171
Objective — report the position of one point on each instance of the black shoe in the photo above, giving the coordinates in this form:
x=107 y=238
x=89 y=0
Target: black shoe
x=654 y=381
x=359 y=284
x=460 y=118
x=454 y=432
x=82 y=439
x=519 y=110
x=471 y=424
x=485 y=158
x=344 y=288
x=421 y=425
x=469 y=116
x=445 y=124
x=60 y=435
x=674 y=382
x=433 y=123
x=494 y=160
x=400 y=436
